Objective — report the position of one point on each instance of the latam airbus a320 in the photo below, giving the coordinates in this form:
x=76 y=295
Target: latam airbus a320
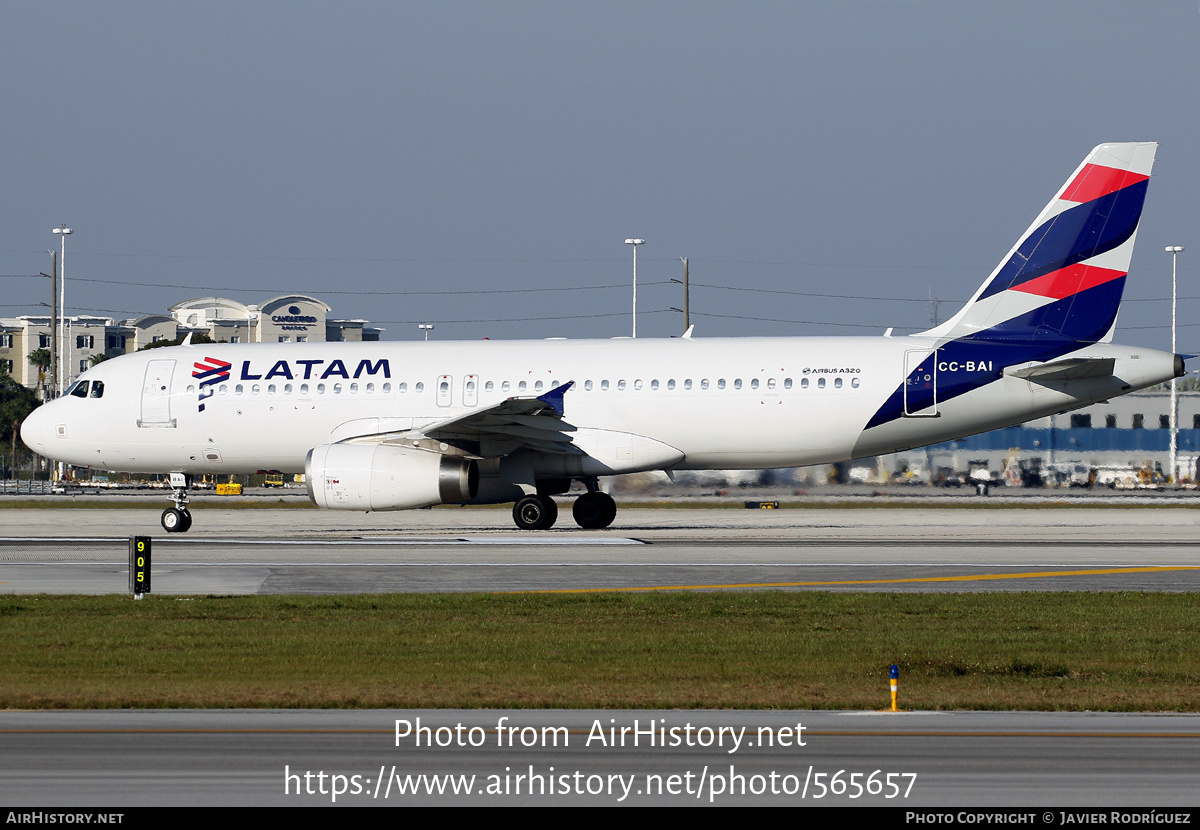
x=391 y=426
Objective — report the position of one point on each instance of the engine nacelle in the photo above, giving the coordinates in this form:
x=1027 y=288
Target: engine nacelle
x=383 y=477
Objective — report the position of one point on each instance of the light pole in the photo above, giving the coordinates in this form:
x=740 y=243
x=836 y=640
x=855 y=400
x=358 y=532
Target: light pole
x=50 y=383
x=425 y=327
x=635 y=243
x=61 y=376
x=1174 y=251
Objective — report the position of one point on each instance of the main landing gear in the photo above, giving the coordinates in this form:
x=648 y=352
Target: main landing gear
x=595 y=510
x=535 y=513
x=178 y=519
x=592 y=511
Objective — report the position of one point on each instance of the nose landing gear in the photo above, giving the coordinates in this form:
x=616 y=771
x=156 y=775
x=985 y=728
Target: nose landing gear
x=178 y=519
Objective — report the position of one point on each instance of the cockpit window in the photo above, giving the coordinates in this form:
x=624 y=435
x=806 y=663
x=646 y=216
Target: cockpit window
x=97 y=389
x=78 y=389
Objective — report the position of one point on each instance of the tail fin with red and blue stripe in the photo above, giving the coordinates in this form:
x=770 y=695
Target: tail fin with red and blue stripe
x=1064 y=278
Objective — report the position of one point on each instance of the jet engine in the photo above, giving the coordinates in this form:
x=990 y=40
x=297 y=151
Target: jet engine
x=385 y=477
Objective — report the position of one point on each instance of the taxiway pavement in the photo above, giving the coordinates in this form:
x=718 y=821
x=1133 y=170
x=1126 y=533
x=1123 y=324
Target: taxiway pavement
x=879 y=549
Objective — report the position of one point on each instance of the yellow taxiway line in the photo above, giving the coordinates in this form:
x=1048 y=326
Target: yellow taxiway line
x=965 y=578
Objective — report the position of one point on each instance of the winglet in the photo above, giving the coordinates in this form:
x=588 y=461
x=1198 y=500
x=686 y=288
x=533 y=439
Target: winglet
x=555 y=396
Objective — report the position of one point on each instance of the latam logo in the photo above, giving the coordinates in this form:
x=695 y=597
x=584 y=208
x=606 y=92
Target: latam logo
x=212 y=371
x=209 y=372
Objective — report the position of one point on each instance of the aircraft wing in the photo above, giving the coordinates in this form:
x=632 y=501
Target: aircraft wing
x=500 y=429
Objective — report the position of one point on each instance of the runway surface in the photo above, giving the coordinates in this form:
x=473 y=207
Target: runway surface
x=910 y=549
x=299 y=758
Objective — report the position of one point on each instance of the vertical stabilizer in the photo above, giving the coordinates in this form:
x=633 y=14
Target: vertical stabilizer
x=1064 y=278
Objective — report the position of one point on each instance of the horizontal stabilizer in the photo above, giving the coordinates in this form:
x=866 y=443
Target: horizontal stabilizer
x=1072 y=369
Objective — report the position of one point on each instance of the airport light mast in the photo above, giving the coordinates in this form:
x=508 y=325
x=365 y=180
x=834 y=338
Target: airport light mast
x=61 y=376
x=635 y=243
x=1174 y=251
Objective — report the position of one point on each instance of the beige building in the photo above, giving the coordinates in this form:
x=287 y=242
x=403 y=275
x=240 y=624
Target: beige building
x=292 y=318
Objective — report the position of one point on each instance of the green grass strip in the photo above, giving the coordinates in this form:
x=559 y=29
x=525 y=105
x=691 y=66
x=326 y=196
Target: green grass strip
x=767 y=649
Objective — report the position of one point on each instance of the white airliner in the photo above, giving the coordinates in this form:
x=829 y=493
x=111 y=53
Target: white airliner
x=391 y=426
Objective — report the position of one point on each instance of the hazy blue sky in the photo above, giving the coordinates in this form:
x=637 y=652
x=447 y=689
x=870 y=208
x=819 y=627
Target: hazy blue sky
x=361 y=150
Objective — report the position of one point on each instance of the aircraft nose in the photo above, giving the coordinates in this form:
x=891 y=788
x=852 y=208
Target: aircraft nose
x=35 y=430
